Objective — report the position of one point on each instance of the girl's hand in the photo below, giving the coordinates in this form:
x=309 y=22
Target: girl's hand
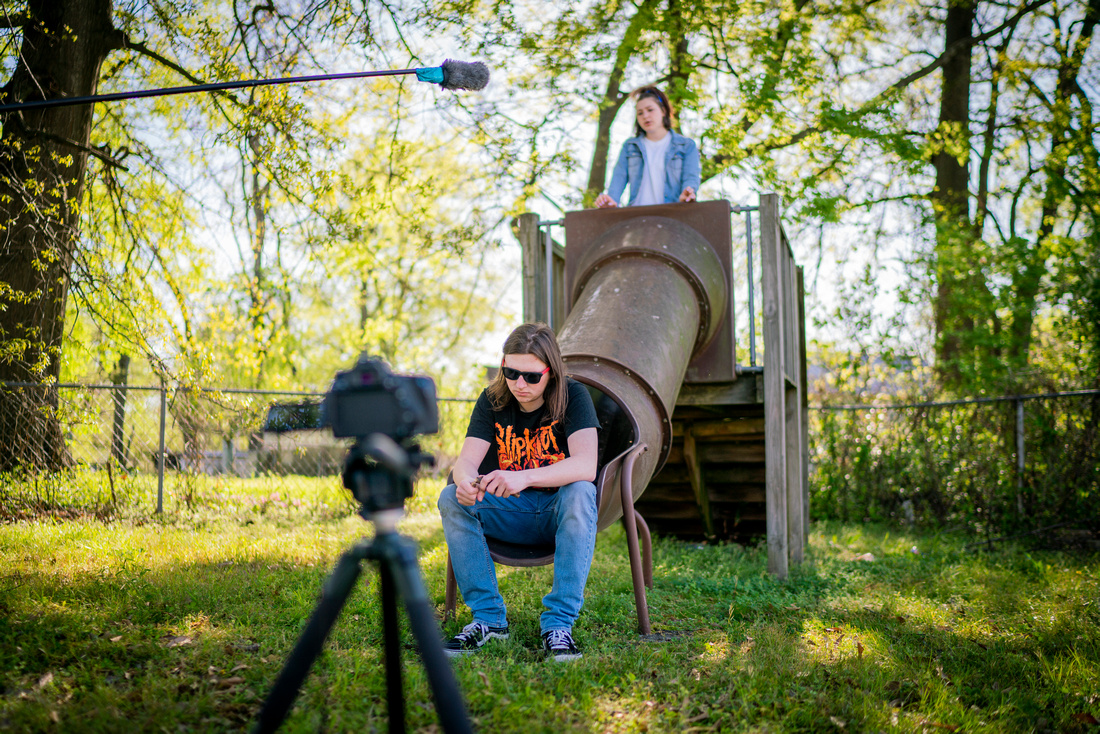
x=688 y=194
x=603 y=201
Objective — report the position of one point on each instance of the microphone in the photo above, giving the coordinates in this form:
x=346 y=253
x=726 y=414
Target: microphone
x=465 y=75
x=456 y=75
x=451 y=75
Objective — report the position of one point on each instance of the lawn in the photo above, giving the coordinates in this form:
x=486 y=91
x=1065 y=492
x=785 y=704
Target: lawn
x=182 y=623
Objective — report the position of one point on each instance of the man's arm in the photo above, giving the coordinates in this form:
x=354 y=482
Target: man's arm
x=464 y=472
x=579 y=467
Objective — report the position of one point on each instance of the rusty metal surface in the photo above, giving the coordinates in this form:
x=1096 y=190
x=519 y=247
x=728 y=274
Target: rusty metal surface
x=669 y=243
x=710 y=219
x=645 y=415
x=643 y=298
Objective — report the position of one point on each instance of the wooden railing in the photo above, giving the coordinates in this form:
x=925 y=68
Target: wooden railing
x=786 y=410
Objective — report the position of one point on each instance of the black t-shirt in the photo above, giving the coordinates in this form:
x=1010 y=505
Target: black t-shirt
x=522 y=440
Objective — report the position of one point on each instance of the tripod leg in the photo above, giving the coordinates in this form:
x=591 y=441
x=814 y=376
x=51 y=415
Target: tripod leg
x=399 y=554
x=395 y=697
x=334 y=595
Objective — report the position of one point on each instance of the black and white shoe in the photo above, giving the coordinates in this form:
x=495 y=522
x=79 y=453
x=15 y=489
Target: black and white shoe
x=472 y=637
x=559 y=645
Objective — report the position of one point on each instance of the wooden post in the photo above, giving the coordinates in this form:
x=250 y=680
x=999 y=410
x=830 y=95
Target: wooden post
x=804 y=385
x=534 y=279
x=775 y=439
x=698 y=481
x=792 y=395
x=532 y=241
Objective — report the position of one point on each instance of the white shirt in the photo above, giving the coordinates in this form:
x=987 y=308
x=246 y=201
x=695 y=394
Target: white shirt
x=653 y=174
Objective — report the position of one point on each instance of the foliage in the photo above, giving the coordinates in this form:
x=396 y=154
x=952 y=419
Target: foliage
x=956 y=465
x=837 y=107
x=186 y=624
x=226 y=235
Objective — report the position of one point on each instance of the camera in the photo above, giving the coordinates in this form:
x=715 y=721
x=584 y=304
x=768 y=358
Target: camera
x=367 y=399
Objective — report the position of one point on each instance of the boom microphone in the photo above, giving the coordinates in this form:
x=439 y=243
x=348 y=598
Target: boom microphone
x=451 y=75
x=465 y=75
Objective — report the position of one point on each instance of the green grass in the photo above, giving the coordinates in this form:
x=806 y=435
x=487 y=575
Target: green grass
x=182 y=624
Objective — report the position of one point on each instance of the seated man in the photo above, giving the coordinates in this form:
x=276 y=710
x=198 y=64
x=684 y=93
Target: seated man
x=534 y=486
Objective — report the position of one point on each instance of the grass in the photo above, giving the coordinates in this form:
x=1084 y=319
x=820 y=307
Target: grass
x=182 y=624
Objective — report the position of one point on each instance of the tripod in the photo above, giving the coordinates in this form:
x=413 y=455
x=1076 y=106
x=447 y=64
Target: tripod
x=381 y=488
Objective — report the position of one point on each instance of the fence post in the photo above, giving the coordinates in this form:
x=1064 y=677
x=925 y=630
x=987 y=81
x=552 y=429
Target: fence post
x=1020 y=456
x=160 y=454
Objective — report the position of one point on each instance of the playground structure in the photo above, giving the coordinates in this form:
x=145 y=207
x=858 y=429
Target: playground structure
x=692 y=444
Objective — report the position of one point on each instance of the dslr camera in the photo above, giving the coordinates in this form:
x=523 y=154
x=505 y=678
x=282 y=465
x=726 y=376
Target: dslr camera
x=382 y=412
x=369 y=399
x=364 y=400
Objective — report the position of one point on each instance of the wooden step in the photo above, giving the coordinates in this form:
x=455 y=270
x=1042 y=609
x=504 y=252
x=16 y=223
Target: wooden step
x=712 y=486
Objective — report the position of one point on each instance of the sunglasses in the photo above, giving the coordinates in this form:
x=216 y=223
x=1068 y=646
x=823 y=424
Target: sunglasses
x=531 y=378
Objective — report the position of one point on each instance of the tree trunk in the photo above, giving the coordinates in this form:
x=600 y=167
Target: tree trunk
x=613 y=99
x=43 y=155
x=951 y=197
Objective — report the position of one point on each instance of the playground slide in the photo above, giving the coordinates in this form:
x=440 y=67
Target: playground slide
x=649 y=304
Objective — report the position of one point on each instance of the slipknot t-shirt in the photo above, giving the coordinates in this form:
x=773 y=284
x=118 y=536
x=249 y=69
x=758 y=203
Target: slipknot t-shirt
x=521 y=440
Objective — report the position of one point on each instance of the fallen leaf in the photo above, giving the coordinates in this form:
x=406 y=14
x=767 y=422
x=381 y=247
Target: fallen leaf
x=892 y=686
x=116 y=638
x=859 y=649
x=834 y=629
x=242 y=666
x=948 y=727
x=840 y=723
x=45 y=680
x=229 y=682
x=866 y=557
x=484 y=679
x=1085 y=719
x=900 y=618
x=177 y=641
x=55 y=717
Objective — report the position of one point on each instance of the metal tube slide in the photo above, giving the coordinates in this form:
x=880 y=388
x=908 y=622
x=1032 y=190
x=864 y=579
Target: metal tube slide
x=649 y=295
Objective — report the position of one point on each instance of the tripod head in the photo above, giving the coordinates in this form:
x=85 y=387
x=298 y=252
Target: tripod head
x=379 y=473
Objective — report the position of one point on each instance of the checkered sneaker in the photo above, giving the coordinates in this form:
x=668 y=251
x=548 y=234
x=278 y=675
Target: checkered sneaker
x=472 y=637
x=559 y=645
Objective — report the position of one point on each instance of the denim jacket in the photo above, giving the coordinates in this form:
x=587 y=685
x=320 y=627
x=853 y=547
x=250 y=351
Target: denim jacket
x=681 y=168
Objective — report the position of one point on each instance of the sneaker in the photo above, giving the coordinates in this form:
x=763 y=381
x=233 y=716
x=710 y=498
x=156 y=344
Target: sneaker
x=559 y=645
x=472 y=637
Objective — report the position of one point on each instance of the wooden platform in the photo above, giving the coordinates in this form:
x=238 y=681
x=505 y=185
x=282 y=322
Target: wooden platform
x=713 y=485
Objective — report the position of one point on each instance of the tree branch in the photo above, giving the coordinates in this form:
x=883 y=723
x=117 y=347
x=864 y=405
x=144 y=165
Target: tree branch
x=954 y=50
x=14 y=20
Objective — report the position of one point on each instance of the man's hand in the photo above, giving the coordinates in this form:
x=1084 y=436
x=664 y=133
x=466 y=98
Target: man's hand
x=503 y=483
x=469 y=491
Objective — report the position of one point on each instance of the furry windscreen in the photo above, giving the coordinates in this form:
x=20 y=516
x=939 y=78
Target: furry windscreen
x=465 y=75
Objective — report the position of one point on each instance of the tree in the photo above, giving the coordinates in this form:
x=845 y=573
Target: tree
x=43 y=158
x=867 y=131
x=44 y=173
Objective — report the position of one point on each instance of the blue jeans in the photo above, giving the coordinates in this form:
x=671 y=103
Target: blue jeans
x=566 y=517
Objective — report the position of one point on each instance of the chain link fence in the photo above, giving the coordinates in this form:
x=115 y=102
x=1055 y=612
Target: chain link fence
x=989 y=465
x=153 y=448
